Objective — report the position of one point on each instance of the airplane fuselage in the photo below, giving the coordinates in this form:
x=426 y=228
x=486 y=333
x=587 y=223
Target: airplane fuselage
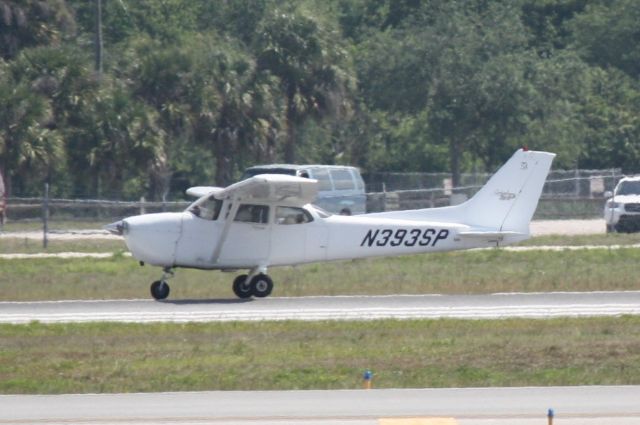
x=186 y=240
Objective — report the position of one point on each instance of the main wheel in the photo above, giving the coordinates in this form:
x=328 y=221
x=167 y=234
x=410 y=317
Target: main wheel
x=262 y=285
x=160 y=290
x=241 y=287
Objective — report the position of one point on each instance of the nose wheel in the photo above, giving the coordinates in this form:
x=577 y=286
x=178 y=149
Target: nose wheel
x=160 y=288
x=259 y=286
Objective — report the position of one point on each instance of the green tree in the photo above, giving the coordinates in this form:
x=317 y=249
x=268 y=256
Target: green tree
x=607 y=34
x=208 y=94
x=302 y=54
x=30 y=23
x=547 y=22
x=121 y=143
x=28 y=147
x=462 y=69
x=611 y=117
x=235 y=107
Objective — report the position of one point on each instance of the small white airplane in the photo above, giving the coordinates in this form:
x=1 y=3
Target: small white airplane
x=267 y=220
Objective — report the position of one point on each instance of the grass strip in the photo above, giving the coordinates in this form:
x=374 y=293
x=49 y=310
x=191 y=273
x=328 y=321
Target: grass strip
x=464 y=272
x=88 y=358
x=11 y=245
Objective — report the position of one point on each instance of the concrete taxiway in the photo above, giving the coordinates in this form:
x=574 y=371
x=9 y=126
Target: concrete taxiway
x=611 y=405
x=495 y=306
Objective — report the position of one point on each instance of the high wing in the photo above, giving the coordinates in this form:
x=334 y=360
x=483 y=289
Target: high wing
x=200 y=191
x=272 y=188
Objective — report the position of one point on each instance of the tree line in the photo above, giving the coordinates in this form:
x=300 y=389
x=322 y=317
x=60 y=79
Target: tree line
x=121 y=98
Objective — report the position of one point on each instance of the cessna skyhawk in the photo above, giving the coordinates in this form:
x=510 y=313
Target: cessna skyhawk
x=268 y=220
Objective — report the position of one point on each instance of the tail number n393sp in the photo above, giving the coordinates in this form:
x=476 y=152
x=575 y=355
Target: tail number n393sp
x=404 y=237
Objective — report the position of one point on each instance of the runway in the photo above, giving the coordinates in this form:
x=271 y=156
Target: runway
x=495 y=306
x=571 y=405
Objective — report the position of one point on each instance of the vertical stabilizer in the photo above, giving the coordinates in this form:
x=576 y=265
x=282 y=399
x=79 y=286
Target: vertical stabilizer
x=505 y=204
x=509 y=199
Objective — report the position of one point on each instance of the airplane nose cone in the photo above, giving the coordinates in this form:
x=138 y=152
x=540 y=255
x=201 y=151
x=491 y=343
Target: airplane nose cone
x=152 y=238
x=116 y=228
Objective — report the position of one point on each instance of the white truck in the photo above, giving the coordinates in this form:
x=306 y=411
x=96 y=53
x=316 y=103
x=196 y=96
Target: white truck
x=622 y=208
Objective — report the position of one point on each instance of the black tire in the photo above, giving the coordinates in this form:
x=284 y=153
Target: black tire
x=345 y=211
x=241 y=288
x=261 y=285
x=160 y=290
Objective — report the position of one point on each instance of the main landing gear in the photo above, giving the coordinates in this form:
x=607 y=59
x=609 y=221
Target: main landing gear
x=255 y=284
x=260 y=285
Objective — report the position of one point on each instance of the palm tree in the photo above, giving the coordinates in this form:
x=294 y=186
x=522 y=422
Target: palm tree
x=29 y=23
x=295 y=48
x=236 y=109
x=28 y=148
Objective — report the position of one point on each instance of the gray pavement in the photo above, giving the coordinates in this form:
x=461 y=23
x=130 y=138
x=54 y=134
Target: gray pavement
x=572 y=405
x=494 y=306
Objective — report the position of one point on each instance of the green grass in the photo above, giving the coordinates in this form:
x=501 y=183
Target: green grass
x=35 y=225
x=82 y=358
x=32 y=246
x=465 y=272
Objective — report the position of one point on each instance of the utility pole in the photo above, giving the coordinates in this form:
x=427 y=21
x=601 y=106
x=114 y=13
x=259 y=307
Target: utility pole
x=98 y=46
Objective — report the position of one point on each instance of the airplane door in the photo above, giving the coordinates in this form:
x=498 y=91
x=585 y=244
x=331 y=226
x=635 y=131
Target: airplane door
x=288 y=244
x=317 y=239
x=248 y=240
x=296 y=237
x=289 y=235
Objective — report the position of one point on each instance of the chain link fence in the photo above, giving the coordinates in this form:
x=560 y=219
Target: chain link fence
x=566 y=195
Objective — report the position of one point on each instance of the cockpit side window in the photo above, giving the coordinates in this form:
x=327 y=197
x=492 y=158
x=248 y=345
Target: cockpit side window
x=207 y=209
x=292 y=215
x=249 y=213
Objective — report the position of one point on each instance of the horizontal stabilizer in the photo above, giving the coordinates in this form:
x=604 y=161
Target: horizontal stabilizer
x=491 y=235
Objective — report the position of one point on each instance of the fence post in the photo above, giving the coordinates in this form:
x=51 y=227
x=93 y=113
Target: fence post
x=45 y=216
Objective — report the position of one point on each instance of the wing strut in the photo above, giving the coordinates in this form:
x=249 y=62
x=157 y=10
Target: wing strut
x=235 y=203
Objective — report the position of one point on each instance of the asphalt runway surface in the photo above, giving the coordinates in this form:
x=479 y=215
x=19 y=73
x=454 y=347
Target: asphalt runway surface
x=494 y=306
x=611 y=405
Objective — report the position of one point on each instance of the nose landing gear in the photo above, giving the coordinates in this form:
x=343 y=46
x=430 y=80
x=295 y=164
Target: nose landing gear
x=160 y=288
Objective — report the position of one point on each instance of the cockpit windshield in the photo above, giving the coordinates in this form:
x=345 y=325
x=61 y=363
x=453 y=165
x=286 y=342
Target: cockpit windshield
x=207 y=207
x=321 y=212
